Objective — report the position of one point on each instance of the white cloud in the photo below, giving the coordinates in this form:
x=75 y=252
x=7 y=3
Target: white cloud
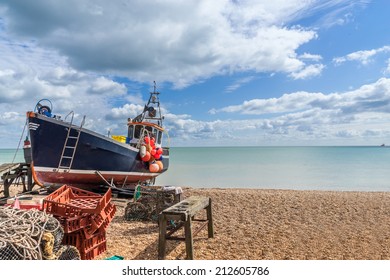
x=310 y=57
x=124 y=112
x=387 y=70
x=29 y=73
x=70 y=51
x=363 y=113
x=287 y=103
x=239 y=83
x=175 y=41
x=373 y=97
x=364 y=57
x=102 y=85
x=308 y=71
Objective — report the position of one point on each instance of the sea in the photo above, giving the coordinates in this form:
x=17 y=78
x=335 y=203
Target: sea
x=337 y=168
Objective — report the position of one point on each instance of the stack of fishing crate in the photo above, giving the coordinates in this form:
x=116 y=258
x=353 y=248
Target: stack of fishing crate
x=84 y=216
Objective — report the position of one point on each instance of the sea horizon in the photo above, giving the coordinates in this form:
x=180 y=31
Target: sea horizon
x=334 y=168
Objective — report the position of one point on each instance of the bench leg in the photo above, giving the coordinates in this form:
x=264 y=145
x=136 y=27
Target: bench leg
x=162 y=222
x=188 y=238
x=210 y=220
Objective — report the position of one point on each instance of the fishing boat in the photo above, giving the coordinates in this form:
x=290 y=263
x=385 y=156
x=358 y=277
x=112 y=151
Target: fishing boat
x=65 y=153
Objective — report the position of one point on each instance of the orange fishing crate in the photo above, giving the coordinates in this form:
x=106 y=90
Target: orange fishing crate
x=94 y=252
x=88 y=247
x=84 y=216
x=69 y=201
x=103 y=218
x=72 y=224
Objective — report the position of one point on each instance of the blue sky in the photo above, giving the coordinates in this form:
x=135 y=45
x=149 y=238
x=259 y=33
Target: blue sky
x=283 y=72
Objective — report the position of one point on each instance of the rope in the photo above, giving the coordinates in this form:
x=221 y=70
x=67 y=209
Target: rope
x=143 y=134
x=20 y=141
x=21 y=233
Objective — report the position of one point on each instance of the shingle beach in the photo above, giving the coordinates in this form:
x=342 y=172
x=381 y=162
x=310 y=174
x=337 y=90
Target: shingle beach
x=252 y=224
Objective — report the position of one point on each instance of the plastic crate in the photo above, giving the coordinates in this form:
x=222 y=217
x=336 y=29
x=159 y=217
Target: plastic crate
x=73 y=224
x=66 y=188
x=100 y=221
x=89 y=248
x=82 y=243
x=94 y=252
x=105 y=217
x=69 y=201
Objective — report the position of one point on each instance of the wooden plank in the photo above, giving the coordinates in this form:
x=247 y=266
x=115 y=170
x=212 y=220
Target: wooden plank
x=188 y=207
x=6 y=167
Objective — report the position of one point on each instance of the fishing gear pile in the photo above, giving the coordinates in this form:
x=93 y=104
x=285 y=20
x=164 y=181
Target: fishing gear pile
x=32 y=235
x=149 y=201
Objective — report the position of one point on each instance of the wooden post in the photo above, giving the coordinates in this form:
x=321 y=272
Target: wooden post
x=23 y=179
x=29 y=179
x=188 y=238
x=210 y=220
x=162 y=222
x=7 y=184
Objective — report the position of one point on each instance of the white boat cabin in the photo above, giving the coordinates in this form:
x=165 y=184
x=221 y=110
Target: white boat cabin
x=137 y=131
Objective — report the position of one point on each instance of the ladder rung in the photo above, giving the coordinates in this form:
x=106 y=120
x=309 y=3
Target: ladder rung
x=62 y=166
x=73 y=137
x=70 y=147
x=66 y=157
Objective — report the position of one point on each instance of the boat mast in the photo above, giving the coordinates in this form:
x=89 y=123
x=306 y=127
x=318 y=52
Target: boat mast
x=150 y=112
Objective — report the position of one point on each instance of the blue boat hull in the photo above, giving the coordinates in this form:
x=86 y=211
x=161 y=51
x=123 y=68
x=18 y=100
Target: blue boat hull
x=97 y=160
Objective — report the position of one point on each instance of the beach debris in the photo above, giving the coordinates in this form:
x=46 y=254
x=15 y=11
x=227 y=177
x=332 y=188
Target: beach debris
x=115 y=258
x=149 y=201
x=84 y=217
x=31 y=235
x=26 y=202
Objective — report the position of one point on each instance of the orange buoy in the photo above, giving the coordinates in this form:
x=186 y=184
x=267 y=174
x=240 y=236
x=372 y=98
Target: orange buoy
x=154 y=167
x=160 y=165
x=146 y=157
x=157 y=156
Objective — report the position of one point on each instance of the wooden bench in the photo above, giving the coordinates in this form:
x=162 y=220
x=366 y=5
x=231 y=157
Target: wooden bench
x=184 y=212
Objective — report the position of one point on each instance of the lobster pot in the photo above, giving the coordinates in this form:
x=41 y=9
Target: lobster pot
x=69 y=253
x=151 y=202
x=31 y=235
x=9 y=252
x=54 y=227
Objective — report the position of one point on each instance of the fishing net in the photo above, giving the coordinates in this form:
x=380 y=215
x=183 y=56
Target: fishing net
x=29 y=235
x=68 y=252
x=140 y=210
x=149 y=202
